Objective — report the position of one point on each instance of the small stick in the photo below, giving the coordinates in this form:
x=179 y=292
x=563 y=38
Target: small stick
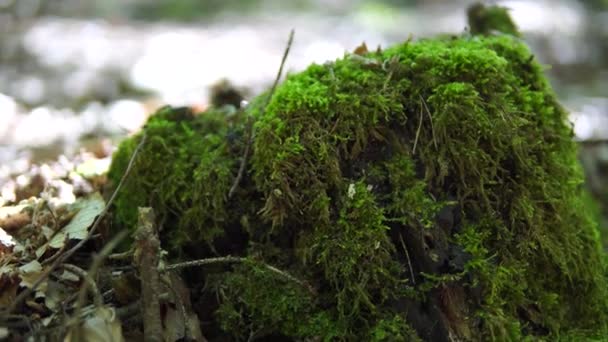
x=409 y=262
x=147 y=257
x=249 y=127
x=234 y=260
x=430 y=119
x=121 y=256
x=417 y=133
x=87 y=282
x=90 y=275
x=28 y=291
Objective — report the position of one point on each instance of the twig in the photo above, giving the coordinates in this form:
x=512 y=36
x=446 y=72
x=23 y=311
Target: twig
x=280 y=73
x=409 y=262
x=430 y=119
x=25 y=293
x=121 y=256
x=417 y=133
x=241 y=172
x=202 y=262
x=87 y=282
x=90 y=276
x=234 y=260
x=249 y=128
x=55 y=255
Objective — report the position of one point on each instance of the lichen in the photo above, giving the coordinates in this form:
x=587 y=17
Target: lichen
x=425 y=191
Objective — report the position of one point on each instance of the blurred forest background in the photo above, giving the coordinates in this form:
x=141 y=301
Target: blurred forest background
x=77 y=74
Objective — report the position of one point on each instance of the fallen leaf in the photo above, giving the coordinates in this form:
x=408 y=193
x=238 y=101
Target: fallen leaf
x=30 y=267
x=88 y=209
x=101 y=326
x=29 y=274
x=69 y=276
x=58 y=241
x=361 y=49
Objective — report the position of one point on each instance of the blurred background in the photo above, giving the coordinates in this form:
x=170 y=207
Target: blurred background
x=84 y=74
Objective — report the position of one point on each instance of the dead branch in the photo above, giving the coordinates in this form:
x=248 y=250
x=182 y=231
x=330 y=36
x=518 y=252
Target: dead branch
x=235 y=260
x=147 y=257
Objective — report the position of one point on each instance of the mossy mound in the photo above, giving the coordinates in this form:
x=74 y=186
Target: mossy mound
x=426 y=192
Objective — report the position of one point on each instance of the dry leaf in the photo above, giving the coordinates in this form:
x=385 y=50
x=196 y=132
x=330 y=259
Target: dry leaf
x=101 y=326
x=29 y=274
x=361 y=49
x=89 y=208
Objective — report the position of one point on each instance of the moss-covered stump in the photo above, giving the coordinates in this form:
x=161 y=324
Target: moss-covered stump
x=429 y=191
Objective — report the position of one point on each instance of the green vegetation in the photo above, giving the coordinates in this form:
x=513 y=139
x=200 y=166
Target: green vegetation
x=428 y=190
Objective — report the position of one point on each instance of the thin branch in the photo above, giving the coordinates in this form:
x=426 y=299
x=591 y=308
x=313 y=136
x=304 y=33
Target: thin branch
x=430 y=119
x=249 y=128
x=409 y=262
x=280 y=73
x=87 y=282
x=417 y=133
x=241 y=172
x=121 y=256
x=234 y=260
x=28 y=291
x=202 y=262
x=90 y=275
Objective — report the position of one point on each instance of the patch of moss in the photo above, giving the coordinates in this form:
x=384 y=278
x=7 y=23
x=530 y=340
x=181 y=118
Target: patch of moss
x=184 y=171
x=490 y=19
x=470 y=119
x=425 y=191
x=252 y=307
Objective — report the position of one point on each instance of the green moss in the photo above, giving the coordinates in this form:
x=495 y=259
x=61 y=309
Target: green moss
x=487 y=132
x=184 y=171
x=488 y=20
x=355 y=257
x=425 y=191
x=393 y=328
x=251 y=306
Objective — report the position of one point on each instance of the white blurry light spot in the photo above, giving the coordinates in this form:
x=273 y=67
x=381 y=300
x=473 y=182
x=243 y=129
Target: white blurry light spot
x=173 y=49
x=8 y=110
x=65 y=193
x=38 y=128
x=323 y=51
x=73 y=83
x=91 y=116
x=6 y=239
x=378 y=16
x=46 y=172
x=31 y=89
x=7 y=192
x=544 y=16
x=127 y=114
x=22 y=180
x=583 y=129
